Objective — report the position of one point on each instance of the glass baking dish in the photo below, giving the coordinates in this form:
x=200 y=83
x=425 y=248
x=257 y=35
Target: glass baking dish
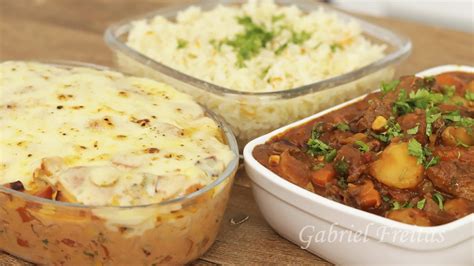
x=253 y=114
x=176 y=231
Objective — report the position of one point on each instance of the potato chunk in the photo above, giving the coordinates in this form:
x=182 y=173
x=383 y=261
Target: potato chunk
x=454 y=136
x=397 y=168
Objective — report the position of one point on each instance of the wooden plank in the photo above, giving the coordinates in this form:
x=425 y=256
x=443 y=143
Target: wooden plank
x=72 y=30
x=253 y=241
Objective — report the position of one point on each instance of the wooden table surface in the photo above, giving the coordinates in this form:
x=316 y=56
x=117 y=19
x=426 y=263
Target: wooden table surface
x=72 y=30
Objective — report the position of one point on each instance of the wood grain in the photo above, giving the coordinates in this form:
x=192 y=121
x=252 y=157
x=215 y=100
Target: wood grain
x=72 y=30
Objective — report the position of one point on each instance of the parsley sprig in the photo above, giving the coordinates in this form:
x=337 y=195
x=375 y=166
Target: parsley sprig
x=422 y=154
x=422 y=99
x=387 y=87
x=439 y=199
x=249 y=43
x=469 y=95
x=317 y=147
x=362 y=146
x=393 y=130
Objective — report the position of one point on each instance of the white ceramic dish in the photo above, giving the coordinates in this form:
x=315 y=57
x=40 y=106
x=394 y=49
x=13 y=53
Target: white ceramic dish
x=345 y=235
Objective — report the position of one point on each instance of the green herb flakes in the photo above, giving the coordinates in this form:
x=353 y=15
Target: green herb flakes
x=449 y=90
x=421 y=204
x=318 y=147
x=277 y=18
x=387 y=87
x=416 y=150
x=459 y=120
x=396 y=205
x=421 y=99
x=393 y=130
x=334 y=47
x=249 y=43
x=362 y=146
x=342 y=182
x=439 y=199
x=432 y=115
x=343 y=127
x=434 y=161
x=469 y=95
x=318 y=166
x=329 y=157
x=413 y=131
x=280 y=49
x=182 y=44
x=341 y=167
x=300 y=38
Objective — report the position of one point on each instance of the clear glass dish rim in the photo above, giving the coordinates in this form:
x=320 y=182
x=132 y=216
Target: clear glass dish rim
x=228 y=172
x=401 y=51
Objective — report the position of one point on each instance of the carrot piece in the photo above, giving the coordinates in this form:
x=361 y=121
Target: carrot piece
x=323 y=176
x=449 y=79
x=366 y=195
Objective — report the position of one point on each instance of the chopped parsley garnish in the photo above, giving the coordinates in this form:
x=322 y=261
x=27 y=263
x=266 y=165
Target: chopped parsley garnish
x=217 y=44
x=264 y=72
x=276 y=18
x=397 y=205
x=393 y=130
x=434 y=161
x=341 y=167
x=318 y=147
x=413 y=131
x=421 y=204
x=363 y=147
x=401 y=106
x=439 y=199
x=318 y=166
x=387 y=87
x=342 y=182
x=459 y=120
x=432 y=115
x=182 y=44
x=281 y=48
x=416 y=150
x=296 y=38
x=449 y=90
x=454 y=116
x=343 y=127
x=429 y=79
x=248 y=43
x=334 y=47
x=299 y=38
x=329 y=157
x=421 y=98
x=469 y=95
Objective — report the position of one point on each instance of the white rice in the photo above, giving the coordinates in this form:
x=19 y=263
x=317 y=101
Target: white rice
x=334 y=47
x=297 y=65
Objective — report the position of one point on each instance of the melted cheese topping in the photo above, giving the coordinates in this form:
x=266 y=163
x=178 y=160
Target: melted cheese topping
x=103 y=138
